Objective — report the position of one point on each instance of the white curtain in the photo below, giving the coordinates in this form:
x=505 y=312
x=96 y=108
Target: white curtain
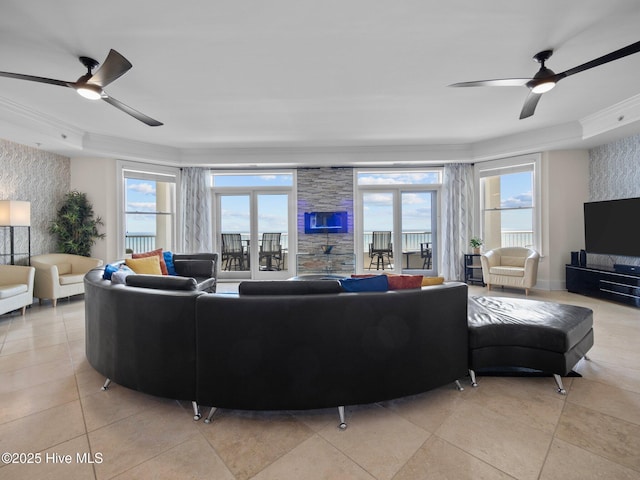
x=457 y=218
x=196 y=211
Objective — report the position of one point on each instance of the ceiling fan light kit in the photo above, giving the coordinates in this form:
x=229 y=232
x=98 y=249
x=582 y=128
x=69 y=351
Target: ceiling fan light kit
x=91 y=85
x=545 y=79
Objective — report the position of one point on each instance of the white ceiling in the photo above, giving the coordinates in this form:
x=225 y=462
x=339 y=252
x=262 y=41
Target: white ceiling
x=310 y=74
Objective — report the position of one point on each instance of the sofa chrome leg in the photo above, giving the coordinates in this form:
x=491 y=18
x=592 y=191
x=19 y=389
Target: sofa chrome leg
x=107 y=382
x=587 y=358
x=472 y=374
x=342 y=425
x=196 y=411
x=210 y=416
x=558 y=380
x=458 y=386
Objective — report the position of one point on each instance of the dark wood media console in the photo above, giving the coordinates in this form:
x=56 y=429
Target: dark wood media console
x=604 y=282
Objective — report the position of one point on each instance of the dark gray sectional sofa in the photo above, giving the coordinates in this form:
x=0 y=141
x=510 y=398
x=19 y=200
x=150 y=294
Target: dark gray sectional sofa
x=288 y=349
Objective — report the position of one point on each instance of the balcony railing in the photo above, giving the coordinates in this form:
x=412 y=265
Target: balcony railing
x=140 y=243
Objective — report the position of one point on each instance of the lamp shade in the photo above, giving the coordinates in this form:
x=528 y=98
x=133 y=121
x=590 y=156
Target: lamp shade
x=14 y=213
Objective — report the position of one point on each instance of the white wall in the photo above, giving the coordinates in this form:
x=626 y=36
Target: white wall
x=97 y=178
x=565 y=188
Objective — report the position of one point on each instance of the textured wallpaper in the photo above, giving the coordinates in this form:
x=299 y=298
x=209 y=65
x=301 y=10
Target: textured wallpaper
x=614 y=172
x=41 y=178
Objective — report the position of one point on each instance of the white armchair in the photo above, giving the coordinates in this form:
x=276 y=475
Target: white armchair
x=60 y=275
x=16 y=287
x=510 y=267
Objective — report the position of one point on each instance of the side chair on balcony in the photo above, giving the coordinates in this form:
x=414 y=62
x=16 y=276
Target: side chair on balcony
x=427 y=255
x=271 y=251
x=381 y=249
x=232 y=251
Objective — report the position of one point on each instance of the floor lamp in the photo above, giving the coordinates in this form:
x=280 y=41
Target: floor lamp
x=14 y=213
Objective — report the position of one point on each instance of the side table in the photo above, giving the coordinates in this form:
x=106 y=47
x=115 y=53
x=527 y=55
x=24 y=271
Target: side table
x=473 y=269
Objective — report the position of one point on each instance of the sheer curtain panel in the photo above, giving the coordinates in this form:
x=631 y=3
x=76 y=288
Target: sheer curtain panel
x=196 y=210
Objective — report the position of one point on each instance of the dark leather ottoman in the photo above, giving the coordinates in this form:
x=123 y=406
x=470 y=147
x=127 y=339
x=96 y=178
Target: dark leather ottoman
x=513 y=332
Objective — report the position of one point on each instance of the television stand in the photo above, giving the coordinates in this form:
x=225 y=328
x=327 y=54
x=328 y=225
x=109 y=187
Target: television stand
x=604 y=282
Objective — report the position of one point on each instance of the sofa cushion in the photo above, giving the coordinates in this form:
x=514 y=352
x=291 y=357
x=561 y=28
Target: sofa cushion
x=157 y=253
x=145 y=265
x=120 y=277
x=510 y=261
x=168 y=260
x=7 y=291
x=71 y=278
x=401 y=282
x=287 y=287
x=507 y=271
x=377 y=283
x=63 y=268
x=161 y=282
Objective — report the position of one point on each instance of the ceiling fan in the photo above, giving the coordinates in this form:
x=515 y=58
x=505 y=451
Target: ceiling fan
x=546 y=79
x=90 y=85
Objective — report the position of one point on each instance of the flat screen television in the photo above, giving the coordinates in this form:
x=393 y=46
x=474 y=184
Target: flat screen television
x=325 y=222
x=609 y=227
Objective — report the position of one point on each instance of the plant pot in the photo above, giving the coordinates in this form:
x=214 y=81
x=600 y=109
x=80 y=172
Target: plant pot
x=476 y=250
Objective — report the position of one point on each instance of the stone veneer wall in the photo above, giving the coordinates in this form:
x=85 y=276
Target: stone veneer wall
x=325 y=190
x=41 y=178
x=614 y=172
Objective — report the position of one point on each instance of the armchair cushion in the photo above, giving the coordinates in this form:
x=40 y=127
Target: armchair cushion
x=7 y=291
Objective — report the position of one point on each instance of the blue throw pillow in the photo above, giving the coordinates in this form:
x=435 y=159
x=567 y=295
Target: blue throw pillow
x=378 y=283
x=108 y=271
x=168 y=259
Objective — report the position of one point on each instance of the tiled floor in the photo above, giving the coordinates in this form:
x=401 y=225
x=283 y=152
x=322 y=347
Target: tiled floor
x=51 y=406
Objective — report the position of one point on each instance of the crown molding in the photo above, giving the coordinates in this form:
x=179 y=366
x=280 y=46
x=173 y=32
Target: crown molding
x=616 y=116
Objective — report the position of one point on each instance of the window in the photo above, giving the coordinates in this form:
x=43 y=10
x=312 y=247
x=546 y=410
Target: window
x=149 y=210
x=508 y=212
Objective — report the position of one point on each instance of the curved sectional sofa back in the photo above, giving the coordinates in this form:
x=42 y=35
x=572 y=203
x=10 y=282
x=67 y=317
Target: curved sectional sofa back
x=262 y=352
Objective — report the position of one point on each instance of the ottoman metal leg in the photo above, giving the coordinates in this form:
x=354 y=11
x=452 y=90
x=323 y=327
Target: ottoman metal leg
x=196 y=411
x=458 y=386
x=558 y=380
x=342 y=425
x=472 y=374
x=107 y=382
x=210 y=416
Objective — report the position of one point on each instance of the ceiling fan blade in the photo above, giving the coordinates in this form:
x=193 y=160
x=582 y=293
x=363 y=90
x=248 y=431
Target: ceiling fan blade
x=609 y=57
x=529 y=107
x=114 y=66
x=32 y=78
x=134 y=113
x=504 y=82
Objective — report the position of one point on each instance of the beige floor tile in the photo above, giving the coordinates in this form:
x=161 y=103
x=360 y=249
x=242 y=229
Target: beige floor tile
x=617 y=402
x=19 y=403
x=35 y=375
x=51 y=466
x=378 y=439
x=601 y=434
x=116 y=403
x=314 y=459
x=194 y=459
x=30 y=358
x=248 y=442
x=42 y=430
x=26 y=344
x=533 y=401
x=611 y=373
x=569 y=462
x=507 y=444
x=439 y=460
x=428 y=410
x=139 y=438
x=31 y=330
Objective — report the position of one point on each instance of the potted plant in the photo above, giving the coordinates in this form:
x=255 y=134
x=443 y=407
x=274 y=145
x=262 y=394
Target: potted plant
x=75 y=228
x=476 y=243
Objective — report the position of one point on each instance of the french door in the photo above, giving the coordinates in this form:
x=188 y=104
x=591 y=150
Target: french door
x=409 y=216
x=254 y=215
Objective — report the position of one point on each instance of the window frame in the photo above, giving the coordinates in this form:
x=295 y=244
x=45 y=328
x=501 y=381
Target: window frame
x=156 y=173
x=524 y=163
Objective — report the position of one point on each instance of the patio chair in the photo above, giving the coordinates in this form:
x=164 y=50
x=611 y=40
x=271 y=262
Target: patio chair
x=271 y=251
x=232 y=251
x=380 y=249
x=426 y=253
